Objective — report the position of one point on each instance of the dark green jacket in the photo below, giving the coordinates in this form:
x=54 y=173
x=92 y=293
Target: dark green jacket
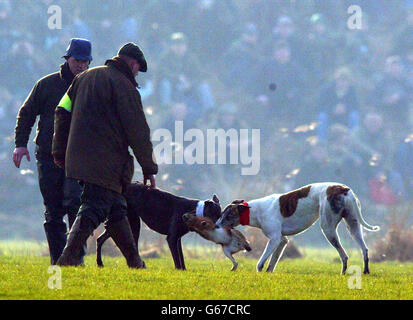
x=103 y=110
x=42 y=101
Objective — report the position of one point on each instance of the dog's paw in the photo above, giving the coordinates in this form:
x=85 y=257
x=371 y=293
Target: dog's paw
x=142 y=265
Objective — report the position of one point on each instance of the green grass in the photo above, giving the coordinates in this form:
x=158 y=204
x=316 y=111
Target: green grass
x=314 y=277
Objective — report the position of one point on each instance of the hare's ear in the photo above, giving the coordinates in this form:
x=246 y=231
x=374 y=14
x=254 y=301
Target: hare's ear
x=215 y=199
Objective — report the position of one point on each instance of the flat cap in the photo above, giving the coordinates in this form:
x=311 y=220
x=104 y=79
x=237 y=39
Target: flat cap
x=133 y=51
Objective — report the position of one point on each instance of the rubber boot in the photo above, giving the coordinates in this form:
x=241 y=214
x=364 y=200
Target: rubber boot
x=71 y=217
x=81 y=230
x=56 y=239
x=121 y=234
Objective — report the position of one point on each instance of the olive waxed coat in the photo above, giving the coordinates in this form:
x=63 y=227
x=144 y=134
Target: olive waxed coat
x=103 y=110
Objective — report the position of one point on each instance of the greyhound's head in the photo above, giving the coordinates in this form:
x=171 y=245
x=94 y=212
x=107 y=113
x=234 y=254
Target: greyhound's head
x=212 y=208
x=231 y=214
x=209 y=208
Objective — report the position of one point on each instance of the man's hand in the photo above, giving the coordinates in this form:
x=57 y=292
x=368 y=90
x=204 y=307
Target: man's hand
x=151 y=179
x=18 y=154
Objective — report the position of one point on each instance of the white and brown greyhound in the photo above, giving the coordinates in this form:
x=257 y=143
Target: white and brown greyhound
x=281 y=215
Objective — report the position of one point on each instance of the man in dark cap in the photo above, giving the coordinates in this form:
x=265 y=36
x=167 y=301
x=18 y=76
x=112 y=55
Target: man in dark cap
x=61 y=196
x=98 y=118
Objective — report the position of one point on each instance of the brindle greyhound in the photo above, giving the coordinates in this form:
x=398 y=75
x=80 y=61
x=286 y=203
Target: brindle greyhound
x=281 y=215
x=162 y=212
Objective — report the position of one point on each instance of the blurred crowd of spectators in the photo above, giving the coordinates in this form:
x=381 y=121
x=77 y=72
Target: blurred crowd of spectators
x=332 y=103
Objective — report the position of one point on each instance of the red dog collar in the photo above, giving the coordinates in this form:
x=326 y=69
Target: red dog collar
x=245 y=216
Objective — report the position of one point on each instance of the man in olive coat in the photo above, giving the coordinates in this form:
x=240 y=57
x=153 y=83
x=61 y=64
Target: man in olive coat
x=98 y=118
x=61 y=195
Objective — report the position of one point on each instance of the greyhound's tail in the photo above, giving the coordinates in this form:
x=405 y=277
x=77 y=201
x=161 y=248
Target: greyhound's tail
x=353 y=203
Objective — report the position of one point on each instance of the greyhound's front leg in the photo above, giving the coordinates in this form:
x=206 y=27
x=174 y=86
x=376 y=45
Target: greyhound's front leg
x=277 y=254
x=181 y=254
x=227 y=252
x=173 y=246
x=269 y=249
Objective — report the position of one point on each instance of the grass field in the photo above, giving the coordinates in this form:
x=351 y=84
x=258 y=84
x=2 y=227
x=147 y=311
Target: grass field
x=23 y=275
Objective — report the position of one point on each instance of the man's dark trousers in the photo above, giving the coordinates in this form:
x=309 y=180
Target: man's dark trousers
x=102 y=205
x=61 y=196
x=98 y=205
